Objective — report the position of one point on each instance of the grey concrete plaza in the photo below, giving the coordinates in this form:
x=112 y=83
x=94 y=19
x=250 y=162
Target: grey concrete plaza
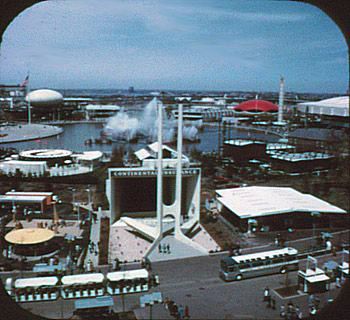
x=24 y=132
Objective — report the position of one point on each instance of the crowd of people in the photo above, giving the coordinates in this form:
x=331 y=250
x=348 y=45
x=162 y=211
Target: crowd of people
x=164 y=248
x=179 y=312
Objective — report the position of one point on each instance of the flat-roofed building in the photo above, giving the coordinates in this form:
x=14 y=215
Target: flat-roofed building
x=274 y=208
x=100 y=111
x=35 y=200
x=241 y=150
x=26 y=168
x=302 y=161
x=126 y=186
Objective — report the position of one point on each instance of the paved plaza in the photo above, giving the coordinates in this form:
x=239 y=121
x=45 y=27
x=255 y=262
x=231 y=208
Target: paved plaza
x=23 y=132
x=129 y=246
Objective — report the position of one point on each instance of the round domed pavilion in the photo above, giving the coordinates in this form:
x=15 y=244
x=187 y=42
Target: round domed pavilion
x=256 y=106
x=32 y=241
x=45 y=98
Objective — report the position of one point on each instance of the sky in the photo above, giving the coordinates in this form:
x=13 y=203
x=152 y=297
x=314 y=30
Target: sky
x=226 y=45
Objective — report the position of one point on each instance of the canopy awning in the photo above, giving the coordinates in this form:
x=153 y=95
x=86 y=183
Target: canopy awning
x=36 y=282
x=82 y=279
x=127 y=275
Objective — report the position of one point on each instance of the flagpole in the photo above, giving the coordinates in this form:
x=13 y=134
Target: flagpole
x=28 y=95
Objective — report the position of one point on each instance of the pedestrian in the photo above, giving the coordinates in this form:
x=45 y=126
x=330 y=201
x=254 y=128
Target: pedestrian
x=312 y=311
x=282 y=311
x=298 y=313
x=337 y=282
x=311 y=299
x=266 y=294
x=187 y=312
x=181 y=312
x=148 y=264
x=334 y=251
x=116 y=264
x=273 y=304
x=168 y=248
x=166 y=303
x=276 y=242
x=290 y=310
x=160 y=248
x=175 y=310
x=290 y=307
x=171 y=307
x=164 y=248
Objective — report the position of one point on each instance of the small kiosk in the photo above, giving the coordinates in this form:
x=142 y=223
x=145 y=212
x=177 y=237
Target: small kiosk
x=313 y=279
x=82 y=286
x=94 y=307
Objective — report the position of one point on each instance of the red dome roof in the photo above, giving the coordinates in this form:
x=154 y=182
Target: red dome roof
x=257 y=106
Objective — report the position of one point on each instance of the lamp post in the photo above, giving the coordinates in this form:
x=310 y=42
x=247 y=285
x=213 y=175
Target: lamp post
x=78 y=211
x=314 y=215
x=73 y=200
x=150 y=300
x=89 y=202
x=73 y=196
x=342 y=264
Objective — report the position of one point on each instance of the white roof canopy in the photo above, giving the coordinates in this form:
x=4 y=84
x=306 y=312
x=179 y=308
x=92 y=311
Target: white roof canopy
x=127 y=275
x=152 y=149
x=319 y=278
x=338 y=106
x=36 y=282
x=265 y=254
x=250 y=202
x=82 y=279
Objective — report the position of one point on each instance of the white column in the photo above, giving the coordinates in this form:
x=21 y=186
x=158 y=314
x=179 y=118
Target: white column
x=29 y=107
x=160 y=171
x=178 y=172
x=280 y=101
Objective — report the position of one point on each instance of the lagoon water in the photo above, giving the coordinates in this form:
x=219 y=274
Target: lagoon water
x=74 y=136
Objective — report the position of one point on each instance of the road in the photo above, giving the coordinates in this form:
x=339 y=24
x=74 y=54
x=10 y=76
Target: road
x=195 y=282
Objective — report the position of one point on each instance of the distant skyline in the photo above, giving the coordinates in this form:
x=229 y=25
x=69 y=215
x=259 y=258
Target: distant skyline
x=228 y=45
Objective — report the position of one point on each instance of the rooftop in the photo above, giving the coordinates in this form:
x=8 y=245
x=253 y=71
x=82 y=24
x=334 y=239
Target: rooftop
x=29 y=236
x=36 y=282
x=304 y=156
x=250 y=202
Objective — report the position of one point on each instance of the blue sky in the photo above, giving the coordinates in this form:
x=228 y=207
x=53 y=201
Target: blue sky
x=177 y=44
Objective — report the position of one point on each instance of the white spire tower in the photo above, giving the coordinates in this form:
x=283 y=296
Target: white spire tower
x=281 y=102
x=178 y=190
x=160 y=171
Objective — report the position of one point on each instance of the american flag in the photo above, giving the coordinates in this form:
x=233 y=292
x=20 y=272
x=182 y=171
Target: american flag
x=25 y=81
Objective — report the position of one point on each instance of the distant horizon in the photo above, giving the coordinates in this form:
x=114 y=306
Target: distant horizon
x=196 y=90
x=180 y=90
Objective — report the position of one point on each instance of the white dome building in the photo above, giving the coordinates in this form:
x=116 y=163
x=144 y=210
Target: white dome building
x=45 y=98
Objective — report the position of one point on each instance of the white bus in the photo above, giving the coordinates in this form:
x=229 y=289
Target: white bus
x=257 y=264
